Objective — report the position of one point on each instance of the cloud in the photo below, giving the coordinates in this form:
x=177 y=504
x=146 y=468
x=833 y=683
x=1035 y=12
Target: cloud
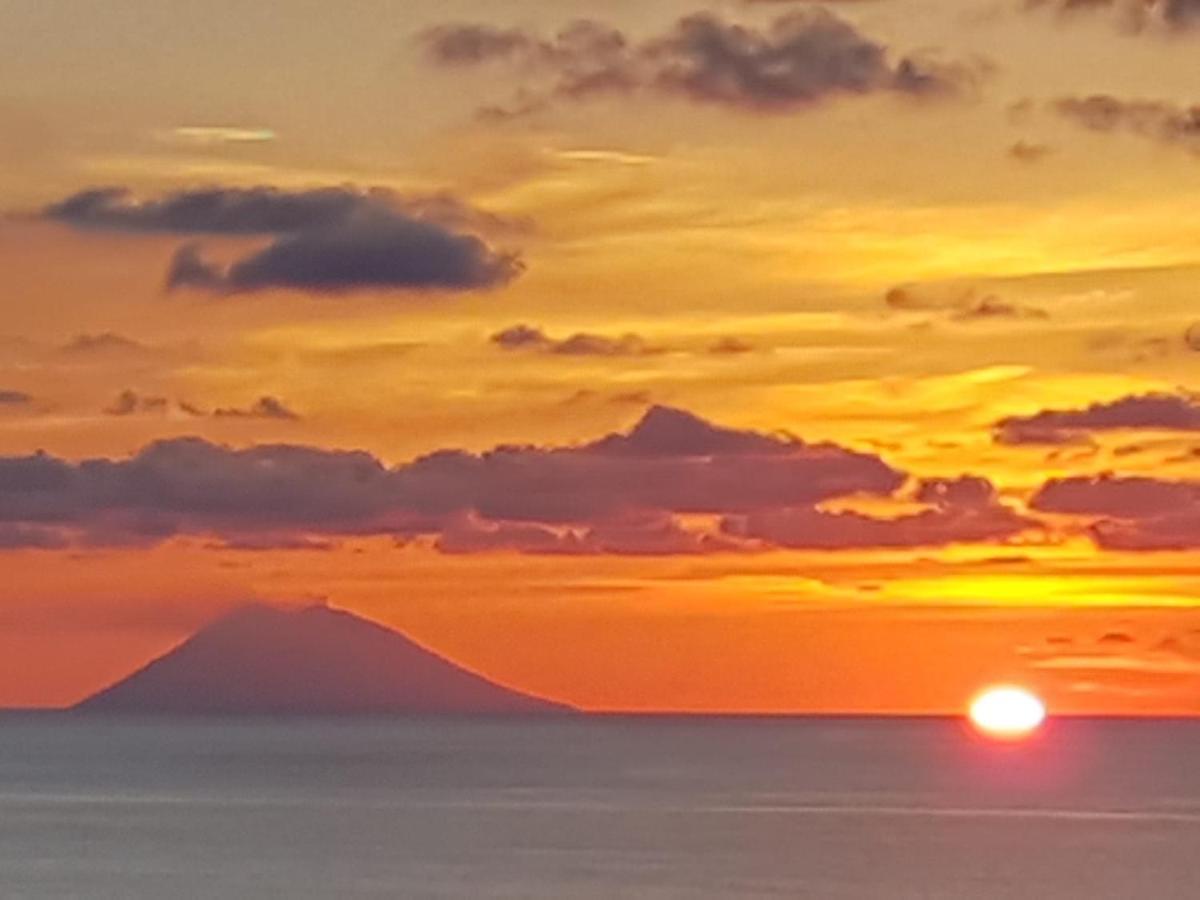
x=1191 y=337
x=1134 y=15
x=822 y=2
x=217 y=210
x=1118 y=497
x=964 y=510
x=216 y=135
x=525 y=337
x=325 y=241
x=635 y=535
x=646 y=491
x=1154 y=411
x=376 y=254
x=958 y=303
x=1134 y=513
x=629 y=493
x=130 y=402
x=469 y=44
x=991 y=307
x=264 y=408
x=189 y=269
x=10 y=398
x=1156 y=120
x=1029 y=152
x=107 y=342
x=802 y=58
x=731 y=346
x=25 y=537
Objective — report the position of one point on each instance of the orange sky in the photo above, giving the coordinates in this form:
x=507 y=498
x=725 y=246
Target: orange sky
x=777 y=255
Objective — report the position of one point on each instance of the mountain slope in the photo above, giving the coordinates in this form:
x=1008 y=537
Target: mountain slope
x=316 y=661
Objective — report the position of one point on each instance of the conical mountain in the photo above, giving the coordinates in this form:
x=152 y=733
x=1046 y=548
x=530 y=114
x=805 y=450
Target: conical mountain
x=260 y=660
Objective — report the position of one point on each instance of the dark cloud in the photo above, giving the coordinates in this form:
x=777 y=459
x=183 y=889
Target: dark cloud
x=189 y=269
x=634 y=535
x=1118 y=497
x=264 y=408
x=1191 y=337
x=625 y=493
x=15 y=398
x=1156 y=120
x=674 y=484
x=470 y=44
x=1135 y=15
x=802 y=58
x=675 y=433
x=958 y=303
x=107 y=342
x=1179 y=13
x=1155 y=411
x=1133 y=513
x=525 y=337
x=964 y=510
x=330 y=240
x=991 y=307
x=731 y=346
x=632 y=398
x=521 y=337
x=25 y=537
x=215 y=211
x=129 y=402
x=382 y=253
x=258 y=543
x=1029 y=152
x=262 y=210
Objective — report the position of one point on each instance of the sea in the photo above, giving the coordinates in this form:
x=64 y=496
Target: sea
x=871 y=809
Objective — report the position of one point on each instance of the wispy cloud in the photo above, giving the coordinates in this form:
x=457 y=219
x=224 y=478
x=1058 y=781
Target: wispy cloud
x=215 y=135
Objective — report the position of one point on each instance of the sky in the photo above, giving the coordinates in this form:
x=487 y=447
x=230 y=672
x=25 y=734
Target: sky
x=753 y=356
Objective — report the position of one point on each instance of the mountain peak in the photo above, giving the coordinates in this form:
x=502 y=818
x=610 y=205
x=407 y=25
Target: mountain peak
x=316 y=660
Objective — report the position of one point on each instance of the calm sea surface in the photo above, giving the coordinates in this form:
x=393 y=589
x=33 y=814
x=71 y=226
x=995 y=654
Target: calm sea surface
x=607 y=808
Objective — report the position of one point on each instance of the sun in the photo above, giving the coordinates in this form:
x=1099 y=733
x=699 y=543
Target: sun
x=1007 y=713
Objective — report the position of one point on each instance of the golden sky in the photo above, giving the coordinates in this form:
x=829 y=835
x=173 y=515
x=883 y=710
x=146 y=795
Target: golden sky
x=749 y=356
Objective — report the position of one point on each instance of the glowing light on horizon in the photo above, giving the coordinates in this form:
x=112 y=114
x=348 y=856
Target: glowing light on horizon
x=1007 y=713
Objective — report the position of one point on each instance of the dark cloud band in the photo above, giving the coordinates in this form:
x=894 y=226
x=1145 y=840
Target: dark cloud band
x=1150 y=412
x=628 y=493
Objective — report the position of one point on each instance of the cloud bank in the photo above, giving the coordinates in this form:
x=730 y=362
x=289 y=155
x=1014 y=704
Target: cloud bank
x=634 y=492
x=1151 y=412
x=802 y=58
x=1133 y=513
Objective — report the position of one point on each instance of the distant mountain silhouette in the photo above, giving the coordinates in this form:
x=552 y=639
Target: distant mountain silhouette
x=317 y=661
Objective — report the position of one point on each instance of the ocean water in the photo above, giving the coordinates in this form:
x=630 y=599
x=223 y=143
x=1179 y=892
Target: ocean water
x=604 y=808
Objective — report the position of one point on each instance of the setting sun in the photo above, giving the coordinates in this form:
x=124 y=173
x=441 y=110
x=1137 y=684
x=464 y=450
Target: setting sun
x=1008 y=713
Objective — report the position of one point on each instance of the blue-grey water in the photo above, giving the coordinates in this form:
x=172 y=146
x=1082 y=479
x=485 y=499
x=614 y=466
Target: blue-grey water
x=606 y=808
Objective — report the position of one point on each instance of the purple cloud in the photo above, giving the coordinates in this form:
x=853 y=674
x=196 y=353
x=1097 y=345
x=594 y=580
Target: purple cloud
x=526 y=337
x=1154 y=411
x=964 y=510
x=802 y=58
x=636 y=492
x=323 y=241
x=1134 y=513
